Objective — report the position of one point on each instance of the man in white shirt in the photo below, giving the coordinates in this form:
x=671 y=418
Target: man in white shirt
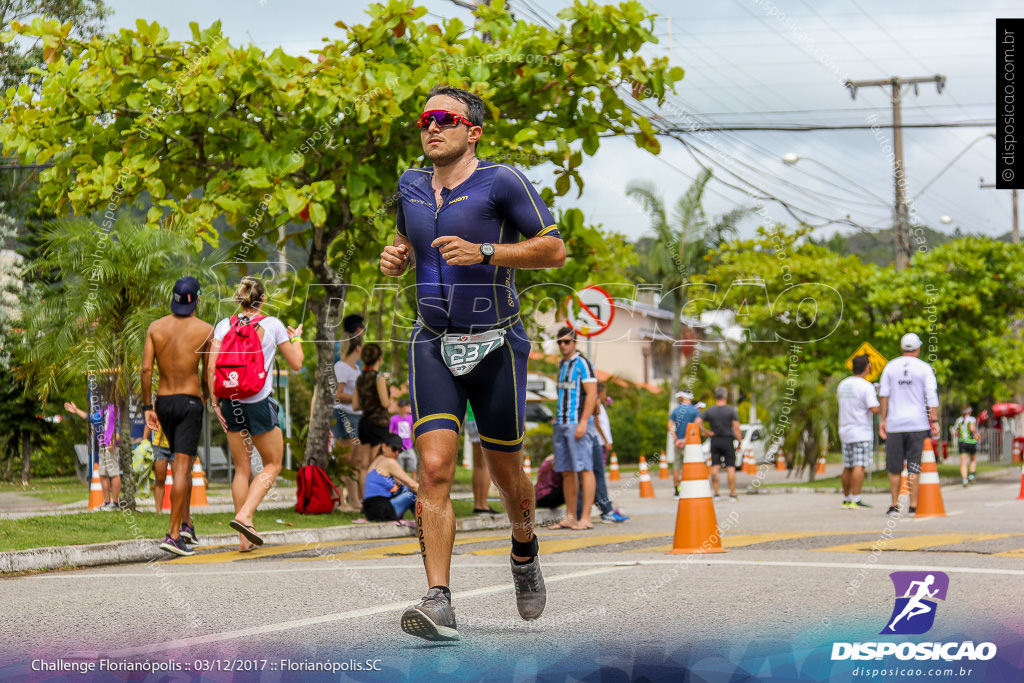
x=857 y=404
x=909 y=413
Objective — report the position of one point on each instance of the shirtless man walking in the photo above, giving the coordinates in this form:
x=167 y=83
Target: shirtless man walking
x=179 y=342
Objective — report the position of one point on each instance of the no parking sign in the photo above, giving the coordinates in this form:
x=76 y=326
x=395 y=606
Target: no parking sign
x=591 y=311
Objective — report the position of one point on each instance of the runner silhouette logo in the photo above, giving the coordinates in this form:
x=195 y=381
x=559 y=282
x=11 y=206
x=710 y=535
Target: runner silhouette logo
x=916 y=595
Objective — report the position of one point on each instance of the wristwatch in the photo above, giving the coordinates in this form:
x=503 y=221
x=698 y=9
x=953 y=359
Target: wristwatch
x=487 y=249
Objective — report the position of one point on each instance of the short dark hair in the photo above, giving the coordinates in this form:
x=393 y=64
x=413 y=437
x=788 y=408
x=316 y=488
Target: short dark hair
x=371 y=354
x=860 y=363
x=566 y=330
x=394 y=442
x=352 y=322
x=474 y=105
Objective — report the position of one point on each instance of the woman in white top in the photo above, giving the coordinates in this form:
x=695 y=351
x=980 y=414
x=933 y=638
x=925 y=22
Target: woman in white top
x=254 y=421
x=346 y=425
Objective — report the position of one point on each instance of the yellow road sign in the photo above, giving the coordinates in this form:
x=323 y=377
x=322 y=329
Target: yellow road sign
x=878 y=361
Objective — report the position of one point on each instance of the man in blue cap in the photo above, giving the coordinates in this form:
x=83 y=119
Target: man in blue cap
x=179 y=342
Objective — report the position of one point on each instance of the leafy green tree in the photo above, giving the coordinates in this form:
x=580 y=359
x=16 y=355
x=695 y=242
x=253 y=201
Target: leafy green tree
x=211 y=129
x=93 y=321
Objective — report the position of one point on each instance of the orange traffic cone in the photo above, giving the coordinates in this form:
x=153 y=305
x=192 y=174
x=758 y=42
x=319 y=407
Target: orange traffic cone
x=168 y=483
x=95 y=490
x=780 y=463
x=646 y=487
x=613 y=469
x=1021 y=496
x=904 y=483
x=526 y=465
x=663 y=472
x=696 y=523
x=749 y=464
x=198 y=498
x=929 y=491
x=820 y=468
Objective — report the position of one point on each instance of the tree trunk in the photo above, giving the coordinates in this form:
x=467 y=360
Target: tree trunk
x=327 y=311
x=26 y=459
x=124 y=428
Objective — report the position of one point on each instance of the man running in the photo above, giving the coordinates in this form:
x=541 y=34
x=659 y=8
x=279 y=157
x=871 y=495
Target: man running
x=459 y=226
x=179 y=342
x=909 y=402
x=966 y=430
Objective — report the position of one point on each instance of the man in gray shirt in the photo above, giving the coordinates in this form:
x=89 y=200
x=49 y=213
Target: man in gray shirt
x=725 y=426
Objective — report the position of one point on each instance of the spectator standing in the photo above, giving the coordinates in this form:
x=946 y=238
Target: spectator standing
x=481 y=476
x=104 y=426
x=401 y=425
x=602 y=447
x=681 y=416
x=725 y=427
x=372 y=398
x=909 y=401
x=857 y=406
x=345 y=429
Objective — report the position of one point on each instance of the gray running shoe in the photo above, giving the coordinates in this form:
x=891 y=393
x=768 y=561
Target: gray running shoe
x=531 y=596
x=432 y=619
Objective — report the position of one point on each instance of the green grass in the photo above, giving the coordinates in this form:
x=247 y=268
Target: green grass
x=60 y=490
x=100 y=527
x=880 y=478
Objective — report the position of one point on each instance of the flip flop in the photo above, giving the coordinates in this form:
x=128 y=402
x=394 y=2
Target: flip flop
x=246 y=530
x=559 y=525
x=248 y=550
x=580 y=528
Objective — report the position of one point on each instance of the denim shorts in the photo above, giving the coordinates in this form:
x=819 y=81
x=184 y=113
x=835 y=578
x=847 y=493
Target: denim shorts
x=255 y=418
x=346 y=424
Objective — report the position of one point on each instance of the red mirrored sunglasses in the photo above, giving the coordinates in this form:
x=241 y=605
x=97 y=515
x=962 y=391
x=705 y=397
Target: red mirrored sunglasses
x=443 y=118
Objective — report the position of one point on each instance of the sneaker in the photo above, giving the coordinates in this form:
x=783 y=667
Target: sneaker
x=676 y=496
x=188 y=532
x=893 y=511
x=109 y=506
x=911 y=510
x=432 y=619
x=613 y=518
x=733 y=499
x=860 y=504
x=178 y=547
x=622 y=517
x=970 y=478
x=716 y=498
x=965 y=483
x=531 y=595
x=848 y=505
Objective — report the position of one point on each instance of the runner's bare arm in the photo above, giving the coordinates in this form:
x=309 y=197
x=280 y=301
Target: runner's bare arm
x=148 y=352
x=545 y=251
x=292 y=352
x=204 y=366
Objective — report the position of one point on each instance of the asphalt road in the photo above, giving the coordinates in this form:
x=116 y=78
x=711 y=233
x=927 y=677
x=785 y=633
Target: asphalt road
x=800 y=574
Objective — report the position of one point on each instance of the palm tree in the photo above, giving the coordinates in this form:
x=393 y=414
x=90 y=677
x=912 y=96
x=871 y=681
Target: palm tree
x=93 y=321
x=684 y=244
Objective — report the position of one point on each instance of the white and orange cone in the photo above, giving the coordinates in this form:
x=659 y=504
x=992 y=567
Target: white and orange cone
x=696 y=523
x=820 y=467
x=1021 y=496
x=904 y=483
x=929 y=491
x=646 y=487
x=613 y=468
x=527 y=467
x=198 y=498
x=168 y=483
x=749 y=464
x=663 y=472
x=780 y=463
x=95 y=489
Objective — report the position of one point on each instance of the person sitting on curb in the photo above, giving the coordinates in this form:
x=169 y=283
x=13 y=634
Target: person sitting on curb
x=386 y=500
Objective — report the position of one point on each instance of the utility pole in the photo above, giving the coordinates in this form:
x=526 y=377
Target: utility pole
x=896 y=84
x=1015 y=235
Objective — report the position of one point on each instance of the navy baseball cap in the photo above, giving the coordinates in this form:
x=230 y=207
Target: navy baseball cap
x=186 y=296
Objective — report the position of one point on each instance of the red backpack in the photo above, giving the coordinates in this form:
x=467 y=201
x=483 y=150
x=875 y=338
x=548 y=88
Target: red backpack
x=240 y=372
x=317 y=494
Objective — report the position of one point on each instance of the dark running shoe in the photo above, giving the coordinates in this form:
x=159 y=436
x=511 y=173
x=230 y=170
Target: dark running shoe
x=432 y=619
x=861 y=504
x=188 y=532
x=531 y=595
x=894 y=510
x=178 y=547
x=912 y=511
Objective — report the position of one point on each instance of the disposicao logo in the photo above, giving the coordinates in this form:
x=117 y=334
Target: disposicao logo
x=917 y=594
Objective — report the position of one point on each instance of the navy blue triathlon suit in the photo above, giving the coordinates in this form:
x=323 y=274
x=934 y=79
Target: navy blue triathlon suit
x=496 y=204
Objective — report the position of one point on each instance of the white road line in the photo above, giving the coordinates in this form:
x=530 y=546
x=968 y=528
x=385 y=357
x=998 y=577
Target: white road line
x=716 y=559
x=328 y=618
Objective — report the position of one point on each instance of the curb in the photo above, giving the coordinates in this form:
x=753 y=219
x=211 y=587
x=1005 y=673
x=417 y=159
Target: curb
x=147 y=550
x=947 y=481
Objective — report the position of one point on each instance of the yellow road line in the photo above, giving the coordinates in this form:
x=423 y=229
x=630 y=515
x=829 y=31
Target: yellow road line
x=405 y=548
x=918 y=542
x=265 y=551
x=550 y=545
x=740 y=540
x=1016 y=552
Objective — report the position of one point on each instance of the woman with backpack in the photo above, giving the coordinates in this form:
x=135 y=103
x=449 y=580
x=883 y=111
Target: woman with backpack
x=243 y=352
x=372 y=397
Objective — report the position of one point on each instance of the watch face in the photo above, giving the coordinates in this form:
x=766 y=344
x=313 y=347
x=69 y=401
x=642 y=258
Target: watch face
x=487 y=249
